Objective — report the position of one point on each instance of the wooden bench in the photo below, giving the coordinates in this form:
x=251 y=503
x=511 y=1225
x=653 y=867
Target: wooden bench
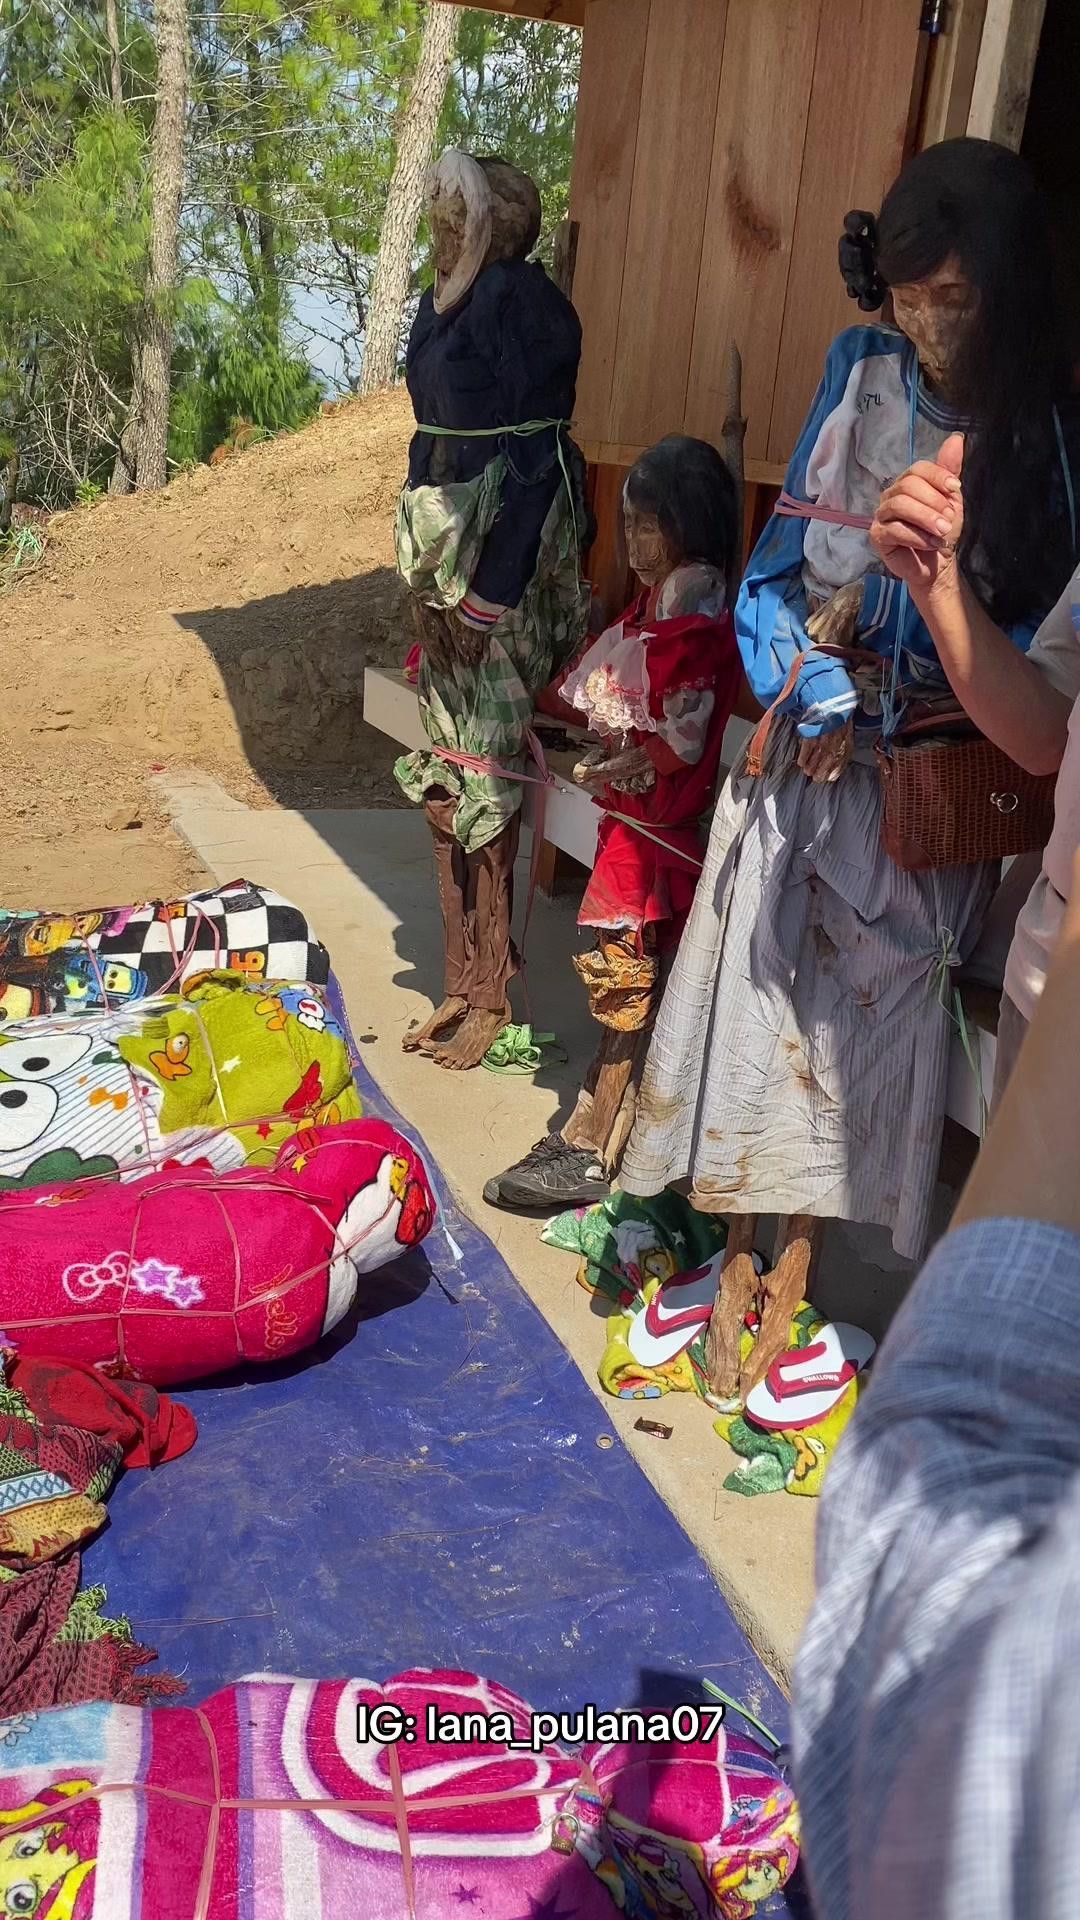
x=570 y=824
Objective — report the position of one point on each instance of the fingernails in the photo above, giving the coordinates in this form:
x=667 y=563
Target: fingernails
x=943 y=525
x=953 y=485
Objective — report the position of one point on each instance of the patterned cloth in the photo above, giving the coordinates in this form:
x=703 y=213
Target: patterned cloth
x=485 y=709
x=223 y=1073
x=54 y=1643
x=179 y=1273
x=705 y=1830
x=110 y=956
x=624 y=1242
x=935 y=1694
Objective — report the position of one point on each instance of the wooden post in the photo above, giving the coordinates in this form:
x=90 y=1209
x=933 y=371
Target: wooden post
x=732 y=446
x=1007 y=56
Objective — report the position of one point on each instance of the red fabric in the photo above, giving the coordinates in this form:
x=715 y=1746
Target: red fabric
x=147 y=1426
x=37 y=1669
x=412 y=665
x=635 y=881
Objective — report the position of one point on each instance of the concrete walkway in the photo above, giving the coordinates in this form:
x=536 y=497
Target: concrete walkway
x=366 y=880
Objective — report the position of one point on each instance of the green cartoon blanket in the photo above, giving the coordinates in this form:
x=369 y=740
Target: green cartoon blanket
x=222 y=1073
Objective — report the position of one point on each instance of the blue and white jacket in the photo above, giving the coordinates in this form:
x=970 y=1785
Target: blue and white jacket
x=858 y=438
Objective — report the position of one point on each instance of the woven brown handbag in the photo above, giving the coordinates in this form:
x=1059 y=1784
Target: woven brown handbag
x=954 y=801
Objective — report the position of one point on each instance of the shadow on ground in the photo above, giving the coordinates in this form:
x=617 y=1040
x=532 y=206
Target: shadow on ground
x=292 y=665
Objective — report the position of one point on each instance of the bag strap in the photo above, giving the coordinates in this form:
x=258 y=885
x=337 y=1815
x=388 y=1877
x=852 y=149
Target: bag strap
x=755 y=752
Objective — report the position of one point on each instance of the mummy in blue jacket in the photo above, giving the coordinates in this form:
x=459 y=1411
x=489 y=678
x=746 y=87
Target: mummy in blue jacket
x=799 y=1062
x=857 y=439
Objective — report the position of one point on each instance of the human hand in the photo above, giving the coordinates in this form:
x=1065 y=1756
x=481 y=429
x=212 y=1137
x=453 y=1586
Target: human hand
x=833 y=625
x=823 y=760
x=919 y=522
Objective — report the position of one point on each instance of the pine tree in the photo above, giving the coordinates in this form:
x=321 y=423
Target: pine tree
x=417 y=132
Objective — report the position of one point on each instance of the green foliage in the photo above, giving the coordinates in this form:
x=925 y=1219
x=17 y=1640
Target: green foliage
x=515 y=94
x=290 y=147
x=239 y=382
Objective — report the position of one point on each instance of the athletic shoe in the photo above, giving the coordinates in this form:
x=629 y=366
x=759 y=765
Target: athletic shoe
x=553 y=1176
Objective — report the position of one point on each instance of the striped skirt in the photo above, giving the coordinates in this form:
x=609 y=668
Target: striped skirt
x=799 y=1060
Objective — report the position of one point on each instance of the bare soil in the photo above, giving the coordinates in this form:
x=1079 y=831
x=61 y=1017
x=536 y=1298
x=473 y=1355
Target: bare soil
x=224 y=623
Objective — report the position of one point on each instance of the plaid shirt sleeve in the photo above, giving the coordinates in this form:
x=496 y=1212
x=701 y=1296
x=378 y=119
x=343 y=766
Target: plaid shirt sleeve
x=937 y=1737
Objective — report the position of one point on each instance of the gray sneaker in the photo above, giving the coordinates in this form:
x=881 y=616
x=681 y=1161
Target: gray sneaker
x=551 y=1176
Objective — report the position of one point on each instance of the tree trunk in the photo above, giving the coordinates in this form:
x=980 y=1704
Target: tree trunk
x=415 y=146
x=141 y=461
x=112 y=32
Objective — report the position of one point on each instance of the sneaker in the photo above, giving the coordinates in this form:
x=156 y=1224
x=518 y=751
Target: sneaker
x=552 y=1175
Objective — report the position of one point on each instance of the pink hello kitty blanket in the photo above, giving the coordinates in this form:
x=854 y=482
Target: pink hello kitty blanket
x=184 y=1272
x=275 y=1801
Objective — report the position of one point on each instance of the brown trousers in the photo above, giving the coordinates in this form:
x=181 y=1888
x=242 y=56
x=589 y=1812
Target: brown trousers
x=476 y=895
x=625 y=981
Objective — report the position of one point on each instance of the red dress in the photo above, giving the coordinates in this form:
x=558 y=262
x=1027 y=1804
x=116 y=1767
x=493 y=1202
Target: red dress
x=636 y=882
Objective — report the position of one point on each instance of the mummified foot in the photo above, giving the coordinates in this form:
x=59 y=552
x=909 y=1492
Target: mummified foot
x=784 y=1288
x=471 y=1041
x=739 y=1283
x=419 y=1039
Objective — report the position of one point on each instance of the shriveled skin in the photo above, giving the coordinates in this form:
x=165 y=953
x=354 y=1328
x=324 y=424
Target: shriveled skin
x=471 y=1041
x=739 y=1283
x=420 y=1039
x=784 y=1288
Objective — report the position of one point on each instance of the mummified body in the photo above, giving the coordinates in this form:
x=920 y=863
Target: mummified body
x=657 y=689
x=490 y=533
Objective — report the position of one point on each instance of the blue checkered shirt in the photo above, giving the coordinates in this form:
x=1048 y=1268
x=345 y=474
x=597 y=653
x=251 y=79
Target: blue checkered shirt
x=937 y=1718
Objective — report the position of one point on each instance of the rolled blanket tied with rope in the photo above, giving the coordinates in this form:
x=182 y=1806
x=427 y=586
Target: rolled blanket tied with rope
x=184 y=1808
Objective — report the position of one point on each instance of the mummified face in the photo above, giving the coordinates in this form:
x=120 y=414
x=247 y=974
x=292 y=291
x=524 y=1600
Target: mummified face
x=447 y=220
x=651 y=554
x=933 y=313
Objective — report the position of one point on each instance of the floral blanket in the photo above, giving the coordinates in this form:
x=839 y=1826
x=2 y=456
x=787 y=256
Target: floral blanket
x=280 y=1798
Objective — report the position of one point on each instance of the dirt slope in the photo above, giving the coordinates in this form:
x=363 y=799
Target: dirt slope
x=225 y=622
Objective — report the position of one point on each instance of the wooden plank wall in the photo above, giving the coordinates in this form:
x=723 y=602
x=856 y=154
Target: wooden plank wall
x=719 y=144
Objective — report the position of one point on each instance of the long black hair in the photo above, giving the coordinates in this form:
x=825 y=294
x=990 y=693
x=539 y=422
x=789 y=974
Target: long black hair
x=979 y=202
x=687 y=485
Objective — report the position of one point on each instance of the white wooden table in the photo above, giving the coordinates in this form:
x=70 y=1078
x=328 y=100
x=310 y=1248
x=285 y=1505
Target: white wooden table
x=571 y=821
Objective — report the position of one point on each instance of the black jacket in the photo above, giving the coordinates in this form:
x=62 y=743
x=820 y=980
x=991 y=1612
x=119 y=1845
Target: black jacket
x=507 y=353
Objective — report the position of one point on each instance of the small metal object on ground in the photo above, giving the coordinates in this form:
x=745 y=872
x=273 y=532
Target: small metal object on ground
x=653 y=1426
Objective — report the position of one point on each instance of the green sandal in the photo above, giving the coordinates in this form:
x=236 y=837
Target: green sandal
x=518 y=1051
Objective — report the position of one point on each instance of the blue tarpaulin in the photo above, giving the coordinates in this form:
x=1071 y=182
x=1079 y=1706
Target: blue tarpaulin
x=436 y=1485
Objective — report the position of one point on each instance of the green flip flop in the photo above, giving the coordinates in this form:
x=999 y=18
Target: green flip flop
x=518 y=1051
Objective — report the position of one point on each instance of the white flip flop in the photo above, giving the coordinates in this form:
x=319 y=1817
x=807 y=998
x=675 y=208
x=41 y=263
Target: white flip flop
x=676 y=1314
x=805 y=1383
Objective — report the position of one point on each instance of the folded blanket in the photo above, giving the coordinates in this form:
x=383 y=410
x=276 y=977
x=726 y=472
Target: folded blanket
x=201 y=1812
x=182 y=1272
x=222 y=1073
x=109 y=956
x=54 y=1643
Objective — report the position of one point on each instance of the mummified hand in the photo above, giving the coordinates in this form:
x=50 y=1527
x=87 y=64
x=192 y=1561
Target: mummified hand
x=823 y=760
x=628 y=768
x=833 y=625
x=470 y=644
x=433 y=634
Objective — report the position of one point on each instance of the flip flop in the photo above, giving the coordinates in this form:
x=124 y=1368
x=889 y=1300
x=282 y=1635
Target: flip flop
x=805 y=1383
x=520 y=1052
x=676 y=1314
